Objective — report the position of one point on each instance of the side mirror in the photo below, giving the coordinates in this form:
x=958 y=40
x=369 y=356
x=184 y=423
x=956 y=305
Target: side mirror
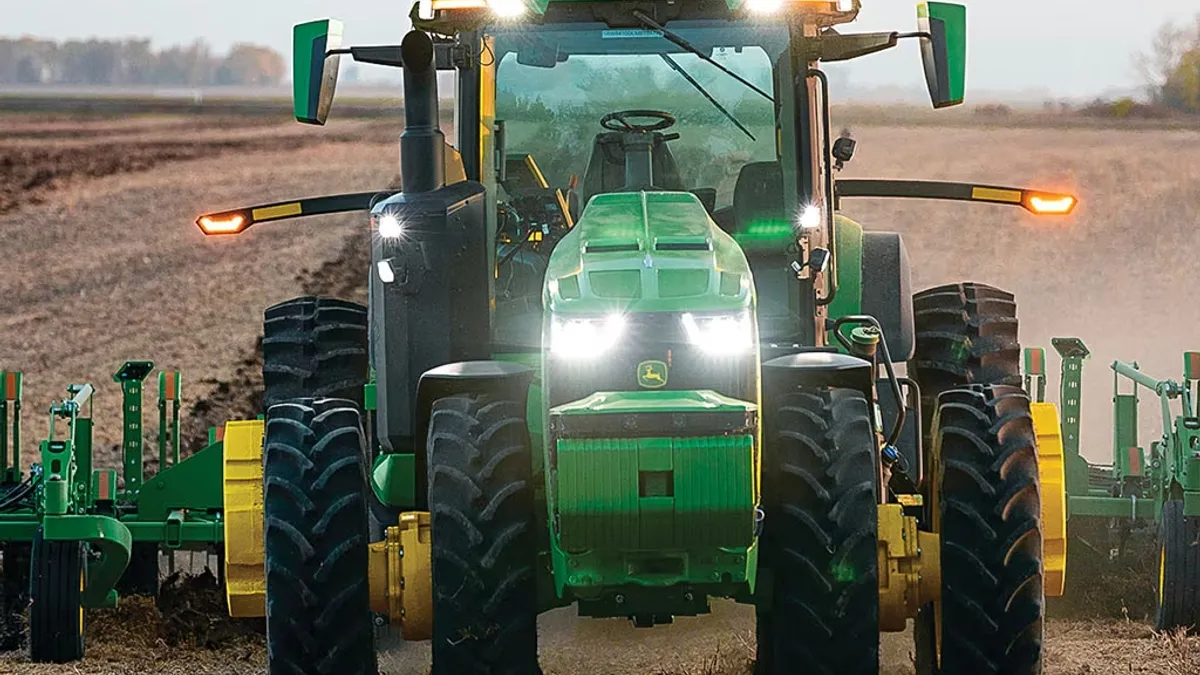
x=944 y=52
x=314 y=69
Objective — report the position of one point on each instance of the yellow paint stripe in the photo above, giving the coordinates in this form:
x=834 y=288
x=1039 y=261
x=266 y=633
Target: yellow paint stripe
x=537 y=173
x=995 y=195
x=273 y=212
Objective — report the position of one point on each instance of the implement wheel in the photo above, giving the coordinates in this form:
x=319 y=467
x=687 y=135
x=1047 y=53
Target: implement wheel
x=315 y=510
x=14 y=594
x=820 y=532
x=482 y=526
x=1179 y=569
x=987 y=510
x=56 y=616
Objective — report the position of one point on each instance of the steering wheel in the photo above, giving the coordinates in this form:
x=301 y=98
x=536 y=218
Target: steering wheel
x=618 y=121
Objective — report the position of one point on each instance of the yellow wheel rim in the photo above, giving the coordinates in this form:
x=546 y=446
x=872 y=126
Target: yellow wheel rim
x=1162 y=573
x=81 y=602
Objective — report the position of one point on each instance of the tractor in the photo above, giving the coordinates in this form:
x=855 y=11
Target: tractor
x=623 y=351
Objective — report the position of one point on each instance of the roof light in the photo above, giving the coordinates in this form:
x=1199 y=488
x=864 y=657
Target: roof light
x=1052 y=205
x=223 y=224
x=764 y=6
x=507 y=9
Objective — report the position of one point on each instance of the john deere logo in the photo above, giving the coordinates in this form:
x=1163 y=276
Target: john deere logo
x=652 y=374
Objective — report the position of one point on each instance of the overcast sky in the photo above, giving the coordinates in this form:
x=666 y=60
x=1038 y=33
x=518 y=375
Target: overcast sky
x=1071 y=47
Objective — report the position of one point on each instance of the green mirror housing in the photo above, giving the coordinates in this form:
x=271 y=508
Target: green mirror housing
x=944 y=52
x=314 y=69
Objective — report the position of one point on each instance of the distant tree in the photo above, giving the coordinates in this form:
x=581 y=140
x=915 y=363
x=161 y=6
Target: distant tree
x=1171 y=67
x=251 y=65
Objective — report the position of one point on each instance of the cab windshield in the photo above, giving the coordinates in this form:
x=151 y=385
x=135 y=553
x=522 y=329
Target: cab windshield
x=554 y=83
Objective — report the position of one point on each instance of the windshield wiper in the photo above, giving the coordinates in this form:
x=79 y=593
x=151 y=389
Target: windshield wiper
x=700 y=88
x=654 y=25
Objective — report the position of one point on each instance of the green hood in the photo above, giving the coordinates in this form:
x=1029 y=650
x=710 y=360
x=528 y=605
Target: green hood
x=647 y=252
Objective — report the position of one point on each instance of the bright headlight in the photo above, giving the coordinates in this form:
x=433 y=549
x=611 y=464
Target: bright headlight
x=723 y=334
x=585 y=338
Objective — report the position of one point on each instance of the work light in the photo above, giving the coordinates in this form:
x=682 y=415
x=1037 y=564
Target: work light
x=720 y=334
x=573 y=337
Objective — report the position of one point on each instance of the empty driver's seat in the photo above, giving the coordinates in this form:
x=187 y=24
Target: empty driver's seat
x=758 y=195
x=606 y=168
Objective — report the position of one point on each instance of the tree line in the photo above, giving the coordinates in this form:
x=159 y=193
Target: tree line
x=1171 y=67
x=133 y=62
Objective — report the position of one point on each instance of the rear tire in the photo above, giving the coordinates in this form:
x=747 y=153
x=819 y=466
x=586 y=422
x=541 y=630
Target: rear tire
x=989 y=521
x=1179 y=574
x=56 y=615
x=14 y=594
x=315 y=512
x=482 y=524
x=820 y=532
x=966 y=334
x=317 y=347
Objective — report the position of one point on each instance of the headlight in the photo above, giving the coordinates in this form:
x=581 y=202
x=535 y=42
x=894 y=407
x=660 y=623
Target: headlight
x=724 y=334
x=585 y=338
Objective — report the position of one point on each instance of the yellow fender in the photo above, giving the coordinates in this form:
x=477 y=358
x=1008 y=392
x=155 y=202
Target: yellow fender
x=1051 y=470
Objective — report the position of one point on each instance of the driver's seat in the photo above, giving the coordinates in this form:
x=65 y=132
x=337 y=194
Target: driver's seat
x=606 y=168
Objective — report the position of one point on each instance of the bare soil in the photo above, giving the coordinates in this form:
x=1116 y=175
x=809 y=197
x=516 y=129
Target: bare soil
x=102 y=262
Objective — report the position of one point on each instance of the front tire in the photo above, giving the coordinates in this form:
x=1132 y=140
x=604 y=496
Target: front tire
x=820 y=533
x=482 y=526
x=319 y=617
x=988 y=515
x=56 y=614
x=1179 y=570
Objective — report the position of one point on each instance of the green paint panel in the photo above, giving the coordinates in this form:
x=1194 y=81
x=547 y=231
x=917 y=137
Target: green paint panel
x=682 y=283
x=645 y=252
x=194 y=483
x=616 y=284
x=1110 y=507
x=611 y=493
x=653 y=401
x=847 y=254
x=1125 y=435
x=394 y=479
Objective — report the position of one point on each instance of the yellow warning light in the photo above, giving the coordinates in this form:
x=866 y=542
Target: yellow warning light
x=223 y=224
x=1051 y=204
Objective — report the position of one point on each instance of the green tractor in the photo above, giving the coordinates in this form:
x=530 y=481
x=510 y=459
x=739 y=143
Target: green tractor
x=623 y=352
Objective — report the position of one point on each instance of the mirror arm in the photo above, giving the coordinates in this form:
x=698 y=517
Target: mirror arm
x=389 y=55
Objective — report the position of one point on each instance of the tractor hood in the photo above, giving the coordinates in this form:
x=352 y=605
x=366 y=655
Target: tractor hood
x=647 y=252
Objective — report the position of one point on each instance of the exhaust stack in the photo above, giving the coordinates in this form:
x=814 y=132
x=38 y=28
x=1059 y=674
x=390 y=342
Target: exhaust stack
x=422 y=143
